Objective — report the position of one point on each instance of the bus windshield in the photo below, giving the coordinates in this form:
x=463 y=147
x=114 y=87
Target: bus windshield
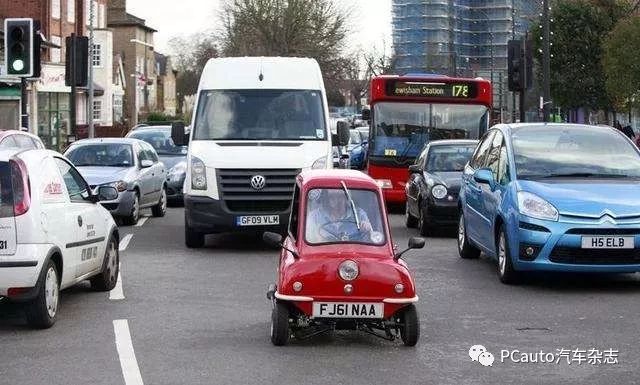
x=402 y=129
x=260 y=114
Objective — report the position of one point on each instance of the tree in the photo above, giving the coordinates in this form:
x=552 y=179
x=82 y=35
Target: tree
x=190 y=56
x=621 y=60
x=304 y=28
x=579 y=26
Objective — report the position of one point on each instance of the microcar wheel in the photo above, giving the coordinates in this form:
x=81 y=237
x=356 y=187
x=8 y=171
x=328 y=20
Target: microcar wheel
x=42 y=311
x=465 y=249
x=410 y=221
x=410 y=328
x=132 y=219
x=106 y=280
x=280 y=324
x=160 y=209
x=506 y=272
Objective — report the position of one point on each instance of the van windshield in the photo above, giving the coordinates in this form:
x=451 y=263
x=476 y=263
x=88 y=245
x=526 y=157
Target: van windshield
x=260 y=114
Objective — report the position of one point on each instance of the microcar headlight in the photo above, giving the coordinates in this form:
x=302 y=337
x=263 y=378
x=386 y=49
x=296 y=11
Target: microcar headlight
x=533 y=206
x=439 y=191
x=319 y=163
x=120 y=185
x=198 y=174
x=177 y=171
x=348 y=270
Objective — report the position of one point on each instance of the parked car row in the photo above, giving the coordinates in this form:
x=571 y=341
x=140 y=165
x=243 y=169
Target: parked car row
x=534 y=197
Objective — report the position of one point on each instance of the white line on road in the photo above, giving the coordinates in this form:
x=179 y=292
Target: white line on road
x=124 y=242
x=141 y=221
x=116 y=293
x=128 y=361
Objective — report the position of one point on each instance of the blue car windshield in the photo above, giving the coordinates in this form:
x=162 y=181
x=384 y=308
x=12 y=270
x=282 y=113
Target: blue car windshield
x=160 y=140
x=573 y=151
x=402 y=129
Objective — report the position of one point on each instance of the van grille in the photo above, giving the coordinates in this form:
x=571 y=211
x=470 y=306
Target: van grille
x=239 y=195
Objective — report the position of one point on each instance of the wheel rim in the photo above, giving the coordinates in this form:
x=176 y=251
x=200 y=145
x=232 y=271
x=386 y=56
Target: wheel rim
x=461 y=233
x=502 y=254
x=136 y=208
x=163 y=200
x=406 y=211
x=51 y=292
x=112 y=262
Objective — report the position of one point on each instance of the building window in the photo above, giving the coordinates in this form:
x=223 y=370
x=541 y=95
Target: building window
x=55 y=9
x=96 y=57
x=94 y=9
x=71 y=11
x=97 y=109
x=55 y=52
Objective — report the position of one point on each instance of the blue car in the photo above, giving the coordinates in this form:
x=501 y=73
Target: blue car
x=552 y=197
x=357 y=149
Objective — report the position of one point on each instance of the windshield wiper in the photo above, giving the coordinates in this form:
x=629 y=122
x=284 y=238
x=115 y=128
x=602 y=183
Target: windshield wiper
x=584 y=175
x=353 y=205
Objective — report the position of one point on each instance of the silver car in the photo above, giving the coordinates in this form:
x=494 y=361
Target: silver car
x=131 y=166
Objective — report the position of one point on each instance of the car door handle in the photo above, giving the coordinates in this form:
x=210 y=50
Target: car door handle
x=79 y=221
x=475 y=188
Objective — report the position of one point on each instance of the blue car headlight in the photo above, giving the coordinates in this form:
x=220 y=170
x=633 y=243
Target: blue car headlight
x=533 y=206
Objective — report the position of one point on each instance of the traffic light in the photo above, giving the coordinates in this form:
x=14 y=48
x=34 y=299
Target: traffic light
x=19 y=47
x=78 y=69
x=516 y=66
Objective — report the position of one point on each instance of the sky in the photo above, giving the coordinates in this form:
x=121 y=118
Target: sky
x=371 y=20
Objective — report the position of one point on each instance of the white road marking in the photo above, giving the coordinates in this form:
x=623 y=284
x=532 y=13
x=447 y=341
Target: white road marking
x=128 y=361
x=141 y=221
x=116 y=293
x=124 y=242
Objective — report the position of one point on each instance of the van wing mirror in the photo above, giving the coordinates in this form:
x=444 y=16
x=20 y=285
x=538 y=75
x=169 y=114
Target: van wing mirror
x=178 y=135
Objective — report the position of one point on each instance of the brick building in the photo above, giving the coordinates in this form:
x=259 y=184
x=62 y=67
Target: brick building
x=133 y=41
x=166 y=75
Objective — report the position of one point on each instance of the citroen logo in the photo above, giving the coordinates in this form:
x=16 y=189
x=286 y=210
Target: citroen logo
x=258 y=182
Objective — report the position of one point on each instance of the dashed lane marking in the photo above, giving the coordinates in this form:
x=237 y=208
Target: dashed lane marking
x=128 y=361
x=141 y=221
x=117 y=294
x=124 y=242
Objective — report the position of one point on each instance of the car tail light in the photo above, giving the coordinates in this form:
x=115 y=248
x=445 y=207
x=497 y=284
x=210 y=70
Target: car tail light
x=20 y=184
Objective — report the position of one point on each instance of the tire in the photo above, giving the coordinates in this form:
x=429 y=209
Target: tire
x=410 y=221
x=280 y=332
x=423 y=225
x=465 y=249
x=506 y=272
x=160 y=209
x=192 y=239
x=410 y=329
x=42 y=311
x=132 y=219
x=108 y=277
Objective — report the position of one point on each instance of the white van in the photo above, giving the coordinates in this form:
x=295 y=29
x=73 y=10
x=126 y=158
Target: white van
x=257 y=122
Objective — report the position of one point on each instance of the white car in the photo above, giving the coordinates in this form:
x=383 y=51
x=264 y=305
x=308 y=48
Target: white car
x=53 y=232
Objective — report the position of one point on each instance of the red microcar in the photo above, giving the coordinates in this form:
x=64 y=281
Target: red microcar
x=338 y=269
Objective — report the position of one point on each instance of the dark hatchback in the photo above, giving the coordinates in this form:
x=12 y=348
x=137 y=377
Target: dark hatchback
x=434 y=183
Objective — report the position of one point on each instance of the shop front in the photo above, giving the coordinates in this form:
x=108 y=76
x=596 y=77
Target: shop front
x=53 y=107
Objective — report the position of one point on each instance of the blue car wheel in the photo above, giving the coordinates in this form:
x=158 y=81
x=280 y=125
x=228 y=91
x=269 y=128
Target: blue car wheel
x=506 y=272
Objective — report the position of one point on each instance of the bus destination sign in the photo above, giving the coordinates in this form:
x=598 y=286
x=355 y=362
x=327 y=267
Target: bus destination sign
x=458 y=90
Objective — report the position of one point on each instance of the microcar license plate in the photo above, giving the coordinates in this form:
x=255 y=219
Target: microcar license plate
x=607 y=242
x=258 y=220
x=348 y=310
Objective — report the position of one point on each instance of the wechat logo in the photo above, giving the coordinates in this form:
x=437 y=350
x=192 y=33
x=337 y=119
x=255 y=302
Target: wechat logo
x=480 y=354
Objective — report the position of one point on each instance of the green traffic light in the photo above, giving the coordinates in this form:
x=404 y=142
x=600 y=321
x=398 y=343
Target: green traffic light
x=18 y=65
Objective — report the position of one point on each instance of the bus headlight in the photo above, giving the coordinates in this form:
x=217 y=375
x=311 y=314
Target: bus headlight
x=384 y=183
x=319 y=163
x=439 y=191
x=198 y=174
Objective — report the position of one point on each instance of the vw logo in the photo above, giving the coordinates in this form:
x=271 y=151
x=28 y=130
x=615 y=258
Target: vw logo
x=258 y=182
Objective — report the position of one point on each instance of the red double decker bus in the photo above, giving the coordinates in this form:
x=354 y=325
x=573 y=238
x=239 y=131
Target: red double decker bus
x=409 y=111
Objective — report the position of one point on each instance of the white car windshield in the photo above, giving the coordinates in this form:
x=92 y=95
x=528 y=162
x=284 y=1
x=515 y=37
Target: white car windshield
x=343 y=216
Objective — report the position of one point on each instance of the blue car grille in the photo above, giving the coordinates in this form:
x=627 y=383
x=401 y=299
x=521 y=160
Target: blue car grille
x=578 y=256
x=604 y=231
